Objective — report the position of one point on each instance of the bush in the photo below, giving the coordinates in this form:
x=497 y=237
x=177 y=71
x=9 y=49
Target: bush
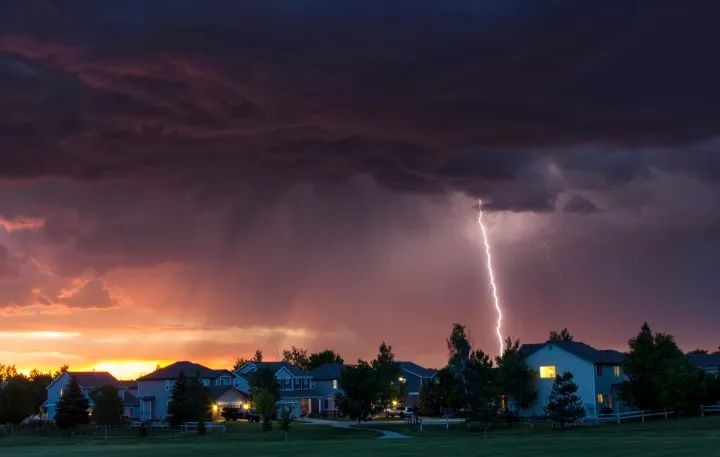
x=142 y=431
x=201 y=427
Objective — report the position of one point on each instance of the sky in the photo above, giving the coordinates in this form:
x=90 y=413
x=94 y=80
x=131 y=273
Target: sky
x=187 y=181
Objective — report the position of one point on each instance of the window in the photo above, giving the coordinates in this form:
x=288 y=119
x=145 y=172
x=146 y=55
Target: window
x=547 y=372
x=598 y=369
x=206 y=382
x=334 y=383
x=616 y=371
x=600 y=398
x=167 y=384
x=224 y=381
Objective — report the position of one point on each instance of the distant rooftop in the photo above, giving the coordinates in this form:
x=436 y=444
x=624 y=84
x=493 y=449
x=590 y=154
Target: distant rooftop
x=582 y=350
x=190 y=370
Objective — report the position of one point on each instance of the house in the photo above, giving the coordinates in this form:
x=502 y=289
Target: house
x=155 y=389
x=89 y=382
x=710 y=363
x=597 y=374
x=326 y=379
x=414 y=377
x=296 y=386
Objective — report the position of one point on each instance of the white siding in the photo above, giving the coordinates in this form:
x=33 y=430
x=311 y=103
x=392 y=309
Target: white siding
x=583 y=372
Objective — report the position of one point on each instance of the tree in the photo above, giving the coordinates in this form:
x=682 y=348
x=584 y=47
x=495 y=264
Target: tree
x=440 y=395
x=482 y=387
x=359 y=390
x=564 y=335
x=15 y=401
x=108 y=407
x=285 y=419
x=72 y=408
x=179 y=408
x=698 y=351
x=263 y=379
x=38 y=383
x=265 y=404
x=240 y=361
x=297 y=357
x=321 y=358
x=683 y=387
x=515 y=378
x=387 y=374
x=646 y=366
x=459 y=348
x=564 y=405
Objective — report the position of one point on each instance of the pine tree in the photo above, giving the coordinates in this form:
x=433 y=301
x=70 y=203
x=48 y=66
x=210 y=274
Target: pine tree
x=515 y=378
x=72 y=408
x=107 y=408
x=180 y=403
x=564 y=405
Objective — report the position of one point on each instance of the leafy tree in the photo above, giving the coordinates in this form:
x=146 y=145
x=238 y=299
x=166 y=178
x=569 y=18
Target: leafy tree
x=108 y=407
x=240 y=361
x=38 y=383
x=646 y=366
x=72 y=408
x=285 y=419
x=265 y=404
x=15 y=401
x=564 y=335
x=321 y=358
x=387 y=373
x=459 y=349
x=440 y=395
x=482 y=387
x=515 y=378
x=683 y=387
x=297 y=357
x=264 y=379
x=359 y=390
x=698 y=351
x=564 y=405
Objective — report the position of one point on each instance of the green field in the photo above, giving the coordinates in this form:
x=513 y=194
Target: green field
x=688 y=437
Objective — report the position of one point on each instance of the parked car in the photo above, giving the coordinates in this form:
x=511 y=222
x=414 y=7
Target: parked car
x=394 y=411
x=409 y=411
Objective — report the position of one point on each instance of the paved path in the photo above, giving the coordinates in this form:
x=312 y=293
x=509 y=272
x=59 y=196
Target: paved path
x=385 y=434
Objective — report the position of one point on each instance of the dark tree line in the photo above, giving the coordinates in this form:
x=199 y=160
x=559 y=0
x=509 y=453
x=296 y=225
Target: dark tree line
x=23 y=394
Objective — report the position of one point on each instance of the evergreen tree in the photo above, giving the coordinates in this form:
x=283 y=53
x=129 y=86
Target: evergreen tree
x=459 y=349
x=180 y=406
x=321 y=358
x=482 y=387
x=72 y=408
x=515 y=378
x=564 y=405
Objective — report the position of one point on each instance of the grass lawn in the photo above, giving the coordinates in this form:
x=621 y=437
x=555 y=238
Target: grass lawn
x=689 y=437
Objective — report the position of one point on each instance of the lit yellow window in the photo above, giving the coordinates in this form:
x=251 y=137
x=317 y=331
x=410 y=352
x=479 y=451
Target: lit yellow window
x=616 y=371
x=547 y=372
x=334 y=383
x=600 y=398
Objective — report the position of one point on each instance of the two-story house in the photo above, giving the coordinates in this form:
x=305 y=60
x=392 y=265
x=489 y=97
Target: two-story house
x=155 y=389
x=326 y=379
x=709 y=363
x=296 y=386
x=597 y=374
x=89 y=382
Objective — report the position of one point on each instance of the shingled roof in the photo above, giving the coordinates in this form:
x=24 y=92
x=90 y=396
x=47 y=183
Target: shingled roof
x=582 y=350
x=276 y=366
x=190 y=370
x=327 y=371
x=94 y=379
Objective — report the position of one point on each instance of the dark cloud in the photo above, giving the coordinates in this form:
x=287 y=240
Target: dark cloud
x=578 y=204
x=92 y=294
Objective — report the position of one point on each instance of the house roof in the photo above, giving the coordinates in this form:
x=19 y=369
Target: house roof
x=189 y=368
x=94 y=379
x=130 y=400
x=277 y=366
x=218 y=391
x=582 y=350
x=414 y=368
x=327 y=371
x=705 y=360
x=128 y=384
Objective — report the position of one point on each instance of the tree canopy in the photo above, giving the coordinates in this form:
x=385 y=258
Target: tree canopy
x=515 y=378
x=107 y=408
x=72 y=408
x=564 y=335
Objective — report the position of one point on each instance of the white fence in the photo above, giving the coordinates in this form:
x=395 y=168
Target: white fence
x=184 y=426
x=618 y=417
x=709 y=409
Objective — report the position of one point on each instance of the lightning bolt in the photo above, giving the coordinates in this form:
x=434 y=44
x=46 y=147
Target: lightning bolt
x=488 y=256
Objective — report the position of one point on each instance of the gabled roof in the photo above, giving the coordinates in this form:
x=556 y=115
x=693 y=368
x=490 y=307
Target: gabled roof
x=417 y=370
x=130 y=400
x=190 y=370
x=582 y=350
x=277 y=366
x=218 y=391
x=327 y=371
x=705 y=360
x=90 y=379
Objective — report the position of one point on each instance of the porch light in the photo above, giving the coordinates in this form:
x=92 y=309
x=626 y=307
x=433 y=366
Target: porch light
x=394 y=403
x=401 y=379
x=214 y=407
